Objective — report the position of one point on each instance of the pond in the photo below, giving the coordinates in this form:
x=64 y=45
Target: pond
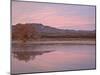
x=52 y=57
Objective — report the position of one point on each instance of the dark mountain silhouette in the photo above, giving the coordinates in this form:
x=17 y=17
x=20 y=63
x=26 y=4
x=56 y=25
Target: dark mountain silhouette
x=50 y=32
x=40 y=28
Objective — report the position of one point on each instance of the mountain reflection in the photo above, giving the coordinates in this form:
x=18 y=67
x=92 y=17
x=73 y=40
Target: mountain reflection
x=27 y=55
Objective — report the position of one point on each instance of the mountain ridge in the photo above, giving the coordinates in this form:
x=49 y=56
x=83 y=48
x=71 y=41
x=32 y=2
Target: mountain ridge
x=51 y=31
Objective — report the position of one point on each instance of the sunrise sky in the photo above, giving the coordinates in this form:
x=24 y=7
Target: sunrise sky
x=63 y=16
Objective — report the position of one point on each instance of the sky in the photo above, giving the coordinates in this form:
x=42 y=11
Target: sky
x=62 y=16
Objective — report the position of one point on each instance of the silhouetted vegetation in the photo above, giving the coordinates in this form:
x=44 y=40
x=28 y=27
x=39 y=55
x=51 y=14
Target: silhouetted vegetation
x=24 y=33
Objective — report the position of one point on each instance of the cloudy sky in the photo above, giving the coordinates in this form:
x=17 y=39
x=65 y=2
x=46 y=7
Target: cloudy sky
x=61 y=16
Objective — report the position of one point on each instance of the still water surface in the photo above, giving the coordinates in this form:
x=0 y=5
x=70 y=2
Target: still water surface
x=52 y=57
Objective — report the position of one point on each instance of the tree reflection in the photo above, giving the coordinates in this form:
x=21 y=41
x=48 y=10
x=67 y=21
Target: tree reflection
x=27 y=55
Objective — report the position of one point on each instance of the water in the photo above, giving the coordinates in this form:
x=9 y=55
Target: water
x=52 y=57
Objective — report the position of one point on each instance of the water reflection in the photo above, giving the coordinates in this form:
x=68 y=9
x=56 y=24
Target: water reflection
x=24 y=47
x=42 y=58
x=27 y=52
x=28 y=55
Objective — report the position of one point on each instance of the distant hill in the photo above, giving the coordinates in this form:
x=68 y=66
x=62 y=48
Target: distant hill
x=50 y=32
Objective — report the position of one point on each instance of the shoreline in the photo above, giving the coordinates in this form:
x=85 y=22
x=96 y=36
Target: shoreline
x=57 y=42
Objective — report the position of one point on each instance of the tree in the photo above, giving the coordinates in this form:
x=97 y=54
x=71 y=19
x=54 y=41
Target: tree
x=24 y=32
